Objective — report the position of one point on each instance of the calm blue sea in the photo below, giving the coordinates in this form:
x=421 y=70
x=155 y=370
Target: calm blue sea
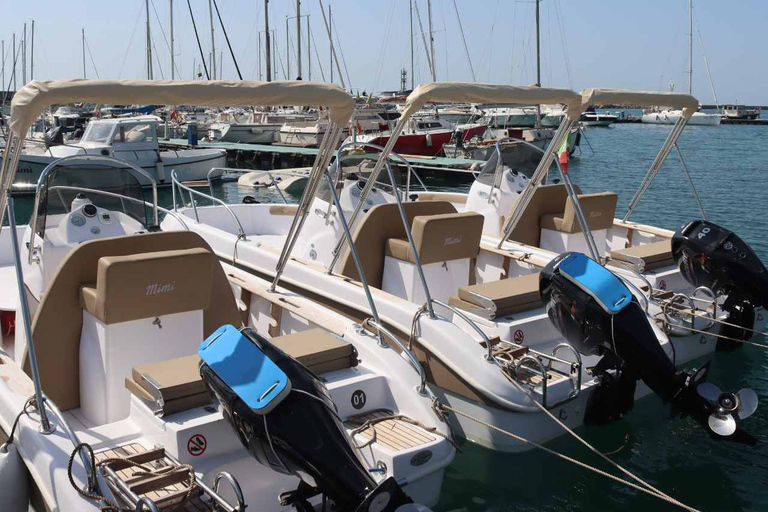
x=731 y=177
x=729 y=167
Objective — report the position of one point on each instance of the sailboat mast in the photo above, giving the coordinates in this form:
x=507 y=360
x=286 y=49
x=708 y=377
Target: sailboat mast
x=149 y=47
x=32 y=54
x=173 y=60
x=213 y=41
x=538 y=47
x=309 y=50
x=267 y=46
x=84 y=54
x=24 y=56
x=538 y=61
x=690 y=46
x=410 y=7
x=330 y=20
x=298 y=37
x=432 y=41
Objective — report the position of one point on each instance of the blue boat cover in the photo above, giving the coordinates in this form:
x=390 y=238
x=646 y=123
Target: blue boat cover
x=599 y=282
x=258 y=381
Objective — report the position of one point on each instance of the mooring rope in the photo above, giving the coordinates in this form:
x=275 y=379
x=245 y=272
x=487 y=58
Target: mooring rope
x=700 y=331
x=648 y=489
x=589 y=446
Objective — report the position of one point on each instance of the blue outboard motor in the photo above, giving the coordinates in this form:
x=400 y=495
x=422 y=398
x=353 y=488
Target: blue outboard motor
x=710 y=255
x=598 y=315
x=284 y=416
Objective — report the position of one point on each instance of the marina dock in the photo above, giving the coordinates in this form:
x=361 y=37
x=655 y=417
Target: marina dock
x=276 y=156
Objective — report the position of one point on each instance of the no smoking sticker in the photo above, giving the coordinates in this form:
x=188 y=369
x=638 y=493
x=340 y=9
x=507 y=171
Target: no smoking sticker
x=519 y=336
x=196 y=445
x=662 y=284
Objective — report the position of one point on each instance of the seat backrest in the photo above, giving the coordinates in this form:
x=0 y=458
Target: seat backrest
x=150 y=284
x=381 y=223
x=445 y=237
x=58 y=322
x=546 y=199
x=599 y=210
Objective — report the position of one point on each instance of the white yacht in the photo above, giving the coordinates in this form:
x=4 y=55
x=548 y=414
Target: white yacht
x=133 y=139
x=144 y=374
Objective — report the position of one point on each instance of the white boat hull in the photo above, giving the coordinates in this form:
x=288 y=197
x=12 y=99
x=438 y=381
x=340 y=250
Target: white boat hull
x=244 y=133
x=671 y=117
x=188 y=167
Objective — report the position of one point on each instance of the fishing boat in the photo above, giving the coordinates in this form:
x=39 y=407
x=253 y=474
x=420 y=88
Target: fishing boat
x=138 y=379
x=133 y=139
x=506 y=361
x=740 y=112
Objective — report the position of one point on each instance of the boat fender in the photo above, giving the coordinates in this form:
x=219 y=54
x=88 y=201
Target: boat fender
x=429 y=140
x=14 y=480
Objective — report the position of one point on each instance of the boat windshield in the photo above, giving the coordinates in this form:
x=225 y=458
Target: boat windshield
x=357 y=164
x=515 y=155
x=109 y=187
x=97 y=132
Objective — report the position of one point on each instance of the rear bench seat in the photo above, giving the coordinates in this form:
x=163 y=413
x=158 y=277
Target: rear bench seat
x=499 y=298
x=646 y=257
x=318 y=350
x=174 y=385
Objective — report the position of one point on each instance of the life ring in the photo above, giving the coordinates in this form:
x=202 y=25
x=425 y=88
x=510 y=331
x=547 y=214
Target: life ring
x=175 y=116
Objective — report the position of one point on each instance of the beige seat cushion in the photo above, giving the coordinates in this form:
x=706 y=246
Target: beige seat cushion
x=318 y=350
x=599 y=210
x=547 y=199
x=149 y=285
x=446 y=237
x=648 y=256
x=503 y=297
x=378 y=225
x=169 y=386
x=58 y=321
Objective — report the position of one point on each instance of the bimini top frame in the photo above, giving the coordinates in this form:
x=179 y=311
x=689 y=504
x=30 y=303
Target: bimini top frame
x=689 y=106
x=460 y=92
x=30 y=101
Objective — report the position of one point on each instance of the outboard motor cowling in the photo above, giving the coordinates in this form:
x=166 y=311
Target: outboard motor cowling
x=598 y=315
x=712 y=256
x=284 y=416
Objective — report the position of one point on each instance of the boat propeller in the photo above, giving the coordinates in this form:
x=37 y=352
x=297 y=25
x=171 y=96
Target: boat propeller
x=728 y=409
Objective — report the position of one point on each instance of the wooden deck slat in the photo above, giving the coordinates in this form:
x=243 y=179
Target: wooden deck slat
x=394 y=434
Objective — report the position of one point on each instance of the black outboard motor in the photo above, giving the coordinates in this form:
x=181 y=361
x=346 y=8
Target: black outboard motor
x=284 y=415
x=595 y=311
x=709 y=255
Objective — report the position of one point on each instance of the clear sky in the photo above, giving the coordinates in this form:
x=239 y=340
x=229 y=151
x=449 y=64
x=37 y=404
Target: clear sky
x=585 y=43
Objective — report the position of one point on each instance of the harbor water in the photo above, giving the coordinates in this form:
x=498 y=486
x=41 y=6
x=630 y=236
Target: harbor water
x=729 y=169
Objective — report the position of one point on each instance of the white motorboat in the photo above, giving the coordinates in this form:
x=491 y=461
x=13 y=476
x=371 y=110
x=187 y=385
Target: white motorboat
x=500 y=357
x=133 y=139
x=291 y=181
x=110 y=376
x=510 y=117
x=667 y=116
x=592 y=118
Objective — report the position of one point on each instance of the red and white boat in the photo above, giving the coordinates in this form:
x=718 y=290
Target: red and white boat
x=423 y=136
